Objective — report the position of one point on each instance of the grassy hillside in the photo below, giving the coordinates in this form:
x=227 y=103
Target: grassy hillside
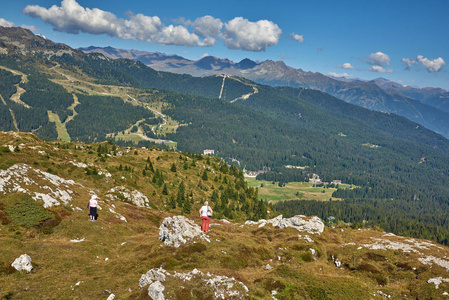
x=75 y=258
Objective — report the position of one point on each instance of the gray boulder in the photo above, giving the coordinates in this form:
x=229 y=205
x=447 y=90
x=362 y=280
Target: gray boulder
x=151 y=276
x=178 y=230
x=23 y=263
x=156 y=291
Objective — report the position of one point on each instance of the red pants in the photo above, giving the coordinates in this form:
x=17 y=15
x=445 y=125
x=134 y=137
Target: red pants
x=206 y=221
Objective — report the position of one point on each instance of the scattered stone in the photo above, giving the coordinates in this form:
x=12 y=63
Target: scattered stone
x=268 y=267
x=313 y=225
x=23 y=262
x=78 y=240
x=178 y=230
x=437 y=281
x=224 y=287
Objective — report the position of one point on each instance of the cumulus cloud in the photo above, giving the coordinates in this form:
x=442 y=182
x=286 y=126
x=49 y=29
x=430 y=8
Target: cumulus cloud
x=296 y=37
x=380 y=69
x=379 y=59
x=239 y=33
x=6 y=23
x=347 y=66
x=242 y=34
x=408 y=62
x=432 y=65
x=339 y=75
x=208 y=28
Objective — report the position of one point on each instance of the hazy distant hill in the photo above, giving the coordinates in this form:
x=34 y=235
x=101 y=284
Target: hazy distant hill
x=391 y=98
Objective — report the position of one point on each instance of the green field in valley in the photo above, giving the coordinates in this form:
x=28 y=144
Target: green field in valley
x=292 y=191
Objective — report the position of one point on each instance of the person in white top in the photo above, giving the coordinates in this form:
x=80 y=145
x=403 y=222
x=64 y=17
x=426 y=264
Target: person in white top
x=205 y=213
x=93 y=203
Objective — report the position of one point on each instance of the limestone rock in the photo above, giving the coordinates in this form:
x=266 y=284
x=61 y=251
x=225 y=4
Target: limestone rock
x=124 y=194
x=178 y=230
x=23 y=262
x=156 y=291
x=223 y=287
x=312 y=225
x=151 y=276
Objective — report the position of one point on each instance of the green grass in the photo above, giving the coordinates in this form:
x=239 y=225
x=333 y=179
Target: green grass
x=22 y=210
x=292 y=191
x=63 y=135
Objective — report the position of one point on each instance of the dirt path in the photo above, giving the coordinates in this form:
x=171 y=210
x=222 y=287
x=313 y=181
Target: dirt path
x=222 y=86
x=246 y=96
x=72 y=108
x=20 y=90
x=14 y=119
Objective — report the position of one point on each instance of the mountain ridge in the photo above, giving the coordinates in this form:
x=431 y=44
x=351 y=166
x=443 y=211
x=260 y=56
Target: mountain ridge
x=369 y=94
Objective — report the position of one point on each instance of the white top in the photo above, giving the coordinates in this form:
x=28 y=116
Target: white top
x=204 y=210
x=93 y=202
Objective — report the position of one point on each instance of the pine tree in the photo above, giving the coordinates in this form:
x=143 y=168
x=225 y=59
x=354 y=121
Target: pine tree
x=204 y=177
x=172 y=203
x=187 y=208
x=173 y=167
x=165 y=190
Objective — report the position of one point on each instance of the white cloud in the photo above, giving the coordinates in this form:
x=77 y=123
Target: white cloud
x=178 y=35
x=239 y=33
x=208 y=28
x=380 y=69
x=6 y=23
x=251 y=36
x=432 y=65
x=408 y=62
x=296 y=37
x=347 y=66
x=339 y=74
x=379 y=59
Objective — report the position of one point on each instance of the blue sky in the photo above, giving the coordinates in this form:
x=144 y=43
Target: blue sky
x=405 y=41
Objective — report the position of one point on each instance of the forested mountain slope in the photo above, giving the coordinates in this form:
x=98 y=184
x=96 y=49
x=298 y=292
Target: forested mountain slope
x=423 y=106
x=60 y=93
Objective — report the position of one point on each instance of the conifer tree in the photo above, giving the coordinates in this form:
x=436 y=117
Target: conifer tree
x=165 y=190
x=187 y=208
x=172 y=202
x=204 y=177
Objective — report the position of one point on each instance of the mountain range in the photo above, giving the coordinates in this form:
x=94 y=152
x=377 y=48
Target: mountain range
x=427 y=106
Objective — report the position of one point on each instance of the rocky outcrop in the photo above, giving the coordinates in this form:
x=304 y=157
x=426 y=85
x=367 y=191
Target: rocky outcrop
x=312 y=225
x=221 y=287
x=23 y=263
x=124 y=194
x=179 y=230
x=51 y=189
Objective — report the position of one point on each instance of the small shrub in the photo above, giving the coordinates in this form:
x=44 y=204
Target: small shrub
x=307 y=256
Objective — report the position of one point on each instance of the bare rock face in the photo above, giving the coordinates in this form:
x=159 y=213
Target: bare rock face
x=23 y=263
x=178 y=230
x=312 y=225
